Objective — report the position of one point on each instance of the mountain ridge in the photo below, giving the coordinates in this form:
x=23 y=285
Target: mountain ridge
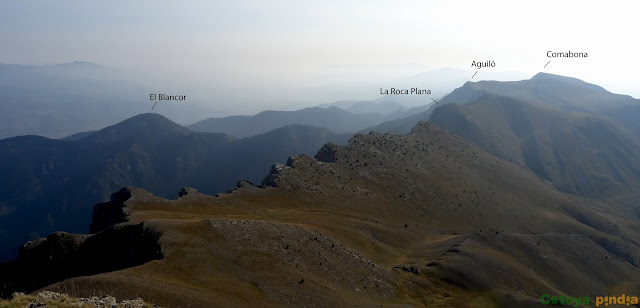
x=339 y=120
x=48 y=182
x=560 y=91
x=442 y=227
x=581 y=153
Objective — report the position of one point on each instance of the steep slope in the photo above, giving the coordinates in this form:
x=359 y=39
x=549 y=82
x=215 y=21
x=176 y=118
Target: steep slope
x=426 y=219
x=581 y=153
x=48 y=185
x=629 y=116
x=333 y=118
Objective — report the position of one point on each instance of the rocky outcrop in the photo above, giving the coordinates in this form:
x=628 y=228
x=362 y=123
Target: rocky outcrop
x=54 y=299
x=113 y=245
x=186 y=191
x=274 y=176
x=107 y=214
x=328 y=153
x=422 y=127
x=63 y=255
x=56 y=248
x=245 y=184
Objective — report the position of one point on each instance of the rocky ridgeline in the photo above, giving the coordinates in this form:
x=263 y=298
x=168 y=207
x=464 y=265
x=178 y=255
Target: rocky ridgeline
x=53 y=299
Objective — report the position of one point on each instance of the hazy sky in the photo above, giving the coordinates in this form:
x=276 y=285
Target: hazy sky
x=276 y=48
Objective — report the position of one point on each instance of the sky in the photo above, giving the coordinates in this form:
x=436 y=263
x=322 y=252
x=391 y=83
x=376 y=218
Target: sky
x=260 y=53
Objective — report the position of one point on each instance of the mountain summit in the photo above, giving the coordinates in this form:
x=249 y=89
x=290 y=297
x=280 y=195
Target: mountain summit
x=566 y=93
x=147 y=127
x=559 y=91
x=560 y=80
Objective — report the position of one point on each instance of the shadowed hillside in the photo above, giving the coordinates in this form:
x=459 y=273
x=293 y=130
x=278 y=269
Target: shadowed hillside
x=582 y=153
x=49 y=185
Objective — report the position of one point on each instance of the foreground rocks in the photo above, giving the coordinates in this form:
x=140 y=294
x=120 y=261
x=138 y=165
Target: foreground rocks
x=54 y=299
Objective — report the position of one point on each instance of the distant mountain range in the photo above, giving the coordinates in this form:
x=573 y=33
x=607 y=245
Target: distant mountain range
x=558 y=91
x=348 y=118
x=380 y=107
x=62 y=99
x=51 y=184
x=59 y=100
x=569 y=94
x=440 y=81
x=337 y=119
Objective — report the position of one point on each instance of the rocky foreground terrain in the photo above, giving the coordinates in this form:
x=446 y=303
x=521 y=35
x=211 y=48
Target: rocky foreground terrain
x=58 y=300
x=424 y=219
